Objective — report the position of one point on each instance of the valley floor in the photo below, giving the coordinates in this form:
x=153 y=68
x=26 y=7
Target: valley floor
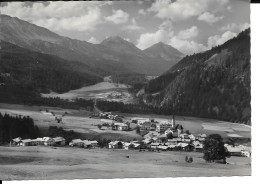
x=39 y=162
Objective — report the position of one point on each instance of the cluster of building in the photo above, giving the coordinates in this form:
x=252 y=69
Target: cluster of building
x=47 y=141
x=109 y=115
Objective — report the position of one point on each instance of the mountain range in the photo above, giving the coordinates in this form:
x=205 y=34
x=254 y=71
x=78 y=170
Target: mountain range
x=112 y=56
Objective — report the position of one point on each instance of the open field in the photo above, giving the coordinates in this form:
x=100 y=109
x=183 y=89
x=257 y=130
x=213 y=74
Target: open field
x=79 y=121
x=76 y=120
x=103 y=90
x=39 y=162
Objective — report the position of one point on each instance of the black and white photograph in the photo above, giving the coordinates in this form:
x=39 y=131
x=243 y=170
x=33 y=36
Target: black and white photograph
x=125 y=89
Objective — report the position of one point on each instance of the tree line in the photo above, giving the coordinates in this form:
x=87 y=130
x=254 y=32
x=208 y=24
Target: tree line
x=19 y=126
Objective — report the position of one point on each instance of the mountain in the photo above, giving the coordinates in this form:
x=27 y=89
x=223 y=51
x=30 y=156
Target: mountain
x=165 y=52
x=211 y=84
x=113 y=56
x=118 y=44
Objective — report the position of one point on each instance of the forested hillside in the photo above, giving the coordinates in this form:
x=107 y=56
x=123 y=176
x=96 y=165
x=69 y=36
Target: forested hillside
x=212 y=84
x=26 y=73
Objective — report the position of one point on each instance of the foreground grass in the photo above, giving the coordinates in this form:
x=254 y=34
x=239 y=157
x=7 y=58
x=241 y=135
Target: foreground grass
x=21 y=163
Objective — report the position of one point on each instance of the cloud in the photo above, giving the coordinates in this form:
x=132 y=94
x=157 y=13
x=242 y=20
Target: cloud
x=166 y=34
x=220 y=39
x=142 y=12
x=235 y=27
x=188 y=33
x=209 y=18
x=185 y=46
x=93 y=40
x=133 y=26
x=148 y=39
x=183 y=9
x=58 y=15
x=118 y=17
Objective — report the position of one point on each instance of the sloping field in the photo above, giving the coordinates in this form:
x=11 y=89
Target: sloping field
x=103 y=90
x=41 y=162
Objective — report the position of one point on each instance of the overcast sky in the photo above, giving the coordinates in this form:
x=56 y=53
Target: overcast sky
x=188 y=25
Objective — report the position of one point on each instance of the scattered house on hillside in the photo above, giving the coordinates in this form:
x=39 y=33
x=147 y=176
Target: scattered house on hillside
x=25 y=142
x=16 y=141
x=116 y=145
x=47 y=141
x=77 y=143
x=162 y=126
x=59 y=141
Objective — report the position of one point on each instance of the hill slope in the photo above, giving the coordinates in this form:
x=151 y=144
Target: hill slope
x=214 y=84
x=26 y=73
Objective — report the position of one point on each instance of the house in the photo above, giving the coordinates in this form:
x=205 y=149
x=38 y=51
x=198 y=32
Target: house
x=160 y=139
x=148 y=141
x=173 y=141
x=116 y=145
x=163 y=148
x=162 y=126
x=155 y=145
x=201 y=137
x=173 y=131
x=128 y=146
x=47 y=141
x=16 y=141
x=198 y=146
x=120 y=126
x=186 y=146
x=77 y=143
x=234 y=150
x=246 y=152
x=36 y=142
x=94 y=143
x=59 y=141
x=192 y=137
x=25 y=142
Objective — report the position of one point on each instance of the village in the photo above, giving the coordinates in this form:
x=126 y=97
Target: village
x=157 y=135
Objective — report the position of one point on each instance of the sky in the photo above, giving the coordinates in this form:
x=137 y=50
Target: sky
x=190 y=26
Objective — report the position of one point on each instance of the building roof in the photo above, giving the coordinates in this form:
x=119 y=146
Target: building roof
x=18 y=139
x=58 y=139
x=26 y=140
